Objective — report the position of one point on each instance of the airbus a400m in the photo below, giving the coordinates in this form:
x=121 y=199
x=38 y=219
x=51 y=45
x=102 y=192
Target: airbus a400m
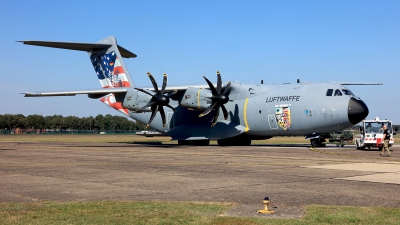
x=231 y=113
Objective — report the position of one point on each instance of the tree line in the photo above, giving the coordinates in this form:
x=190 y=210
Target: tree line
x=12 y=122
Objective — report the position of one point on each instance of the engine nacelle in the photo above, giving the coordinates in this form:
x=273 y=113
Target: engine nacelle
x=196 y=98
x=134 y=100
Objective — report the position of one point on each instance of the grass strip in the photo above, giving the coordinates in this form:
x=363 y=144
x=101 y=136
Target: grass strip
x=116 y=212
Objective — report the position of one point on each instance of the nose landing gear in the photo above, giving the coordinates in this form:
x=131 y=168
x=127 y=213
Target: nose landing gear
x=318 y=142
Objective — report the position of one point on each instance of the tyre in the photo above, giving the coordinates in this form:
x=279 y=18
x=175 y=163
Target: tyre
x=314 y=142
x=182 y=142
x=202 y=142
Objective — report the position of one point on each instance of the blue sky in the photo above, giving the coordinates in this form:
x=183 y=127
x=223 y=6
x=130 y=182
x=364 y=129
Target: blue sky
x=249 y=41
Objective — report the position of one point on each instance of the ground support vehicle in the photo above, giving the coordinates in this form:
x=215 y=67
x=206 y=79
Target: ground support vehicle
x=372 y=133
x=341 y=137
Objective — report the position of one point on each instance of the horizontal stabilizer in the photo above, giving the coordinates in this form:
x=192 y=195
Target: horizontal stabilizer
x=96 y=93
x=87 y=47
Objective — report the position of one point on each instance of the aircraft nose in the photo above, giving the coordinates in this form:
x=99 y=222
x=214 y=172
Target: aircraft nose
x=357 y=110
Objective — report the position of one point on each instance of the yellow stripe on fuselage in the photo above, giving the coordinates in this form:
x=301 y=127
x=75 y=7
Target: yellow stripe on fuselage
x=245 y=115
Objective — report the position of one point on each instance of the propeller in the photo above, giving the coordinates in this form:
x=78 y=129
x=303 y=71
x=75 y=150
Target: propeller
x=218 y=99
x=158 y=99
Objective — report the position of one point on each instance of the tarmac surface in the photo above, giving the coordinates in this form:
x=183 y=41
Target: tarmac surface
x=292 y=176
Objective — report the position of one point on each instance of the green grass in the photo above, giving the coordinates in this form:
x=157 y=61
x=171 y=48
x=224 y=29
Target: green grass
x=178 y=213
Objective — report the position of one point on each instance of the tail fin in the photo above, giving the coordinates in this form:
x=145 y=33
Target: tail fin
x=109 y=66
x=106 y=57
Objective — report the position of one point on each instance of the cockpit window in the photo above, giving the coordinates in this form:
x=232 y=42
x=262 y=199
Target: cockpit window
x=347 y=92
x=338 y=93
x=329 y=92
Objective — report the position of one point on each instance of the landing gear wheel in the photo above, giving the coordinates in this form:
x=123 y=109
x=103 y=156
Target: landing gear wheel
x=223 y=142
x=342 y=142
x=236 y=141
x=202 y=142
x=322 y=142
x=194 y=142
x=183 y=142
x=314 y=142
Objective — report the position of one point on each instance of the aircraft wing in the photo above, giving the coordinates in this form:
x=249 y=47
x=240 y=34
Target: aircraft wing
x=93 y=93
x=356 y=83
x=98 y=93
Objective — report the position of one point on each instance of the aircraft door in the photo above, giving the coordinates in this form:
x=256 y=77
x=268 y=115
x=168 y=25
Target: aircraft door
x=272 y=122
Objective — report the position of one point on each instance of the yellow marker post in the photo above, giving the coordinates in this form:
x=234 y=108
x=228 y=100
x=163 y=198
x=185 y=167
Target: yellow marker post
x=266 y=202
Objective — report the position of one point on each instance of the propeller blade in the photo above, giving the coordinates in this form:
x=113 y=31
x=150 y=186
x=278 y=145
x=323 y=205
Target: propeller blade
x=212 y=88
x=208 y=110
x=172 y=93
x=219 y=83
x=153 y=81
x=225 y=112
x=214 y=121
x=153 y=114
x=165 y=81
x=148 y=105
x=170 y=107
x=162 y=113
x=228 y=85
x=139 y=89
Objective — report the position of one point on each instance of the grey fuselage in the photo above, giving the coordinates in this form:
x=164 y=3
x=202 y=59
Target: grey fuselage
x=276 y=110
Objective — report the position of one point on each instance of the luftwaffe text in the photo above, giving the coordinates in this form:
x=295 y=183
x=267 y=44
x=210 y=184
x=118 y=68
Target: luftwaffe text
x=283 y=99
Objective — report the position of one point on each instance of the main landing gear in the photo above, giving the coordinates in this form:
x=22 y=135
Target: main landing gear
x=194 y=142
x=236 y=141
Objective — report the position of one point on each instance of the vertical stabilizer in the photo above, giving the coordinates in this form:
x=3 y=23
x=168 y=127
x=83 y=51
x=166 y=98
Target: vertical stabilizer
x=106 y=57
x=109 y=66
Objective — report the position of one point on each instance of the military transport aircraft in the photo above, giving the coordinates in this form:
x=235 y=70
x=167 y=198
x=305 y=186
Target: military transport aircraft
x=231 y=113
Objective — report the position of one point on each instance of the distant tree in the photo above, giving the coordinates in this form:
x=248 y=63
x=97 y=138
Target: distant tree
x=108 y=122
x=72 y=122
x=35 y=122
x=58 y=122
x=99 y=122
x=19 y=121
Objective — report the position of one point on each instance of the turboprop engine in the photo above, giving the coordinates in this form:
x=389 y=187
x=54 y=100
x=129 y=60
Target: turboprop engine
x=135 y=100
x=196 y=98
